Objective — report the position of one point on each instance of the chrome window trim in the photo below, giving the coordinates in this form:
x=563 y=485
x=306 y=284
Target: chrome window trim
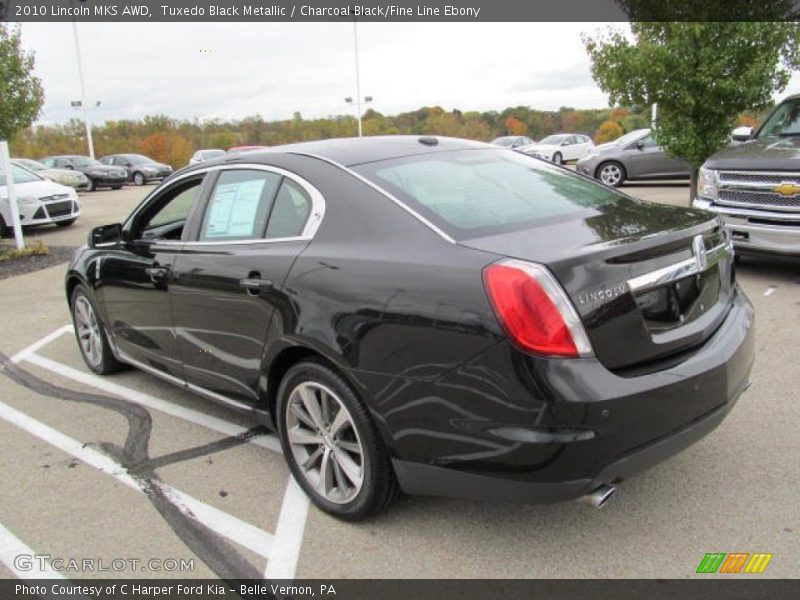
x=379 y=189
x=313 y=222
x=684 y=268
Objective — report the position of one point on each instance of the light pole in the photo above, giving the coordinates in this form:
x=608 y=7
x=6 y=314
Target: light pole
x=82 y=102
x=358 y=98
x=367 y=100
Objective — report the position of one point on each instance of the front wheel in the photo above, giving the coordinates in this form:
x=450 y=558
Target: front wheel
x=611 y=173
x=331 y=445
x=90 y=185
x=557 y=158
x=138 y=179
x=89 y=332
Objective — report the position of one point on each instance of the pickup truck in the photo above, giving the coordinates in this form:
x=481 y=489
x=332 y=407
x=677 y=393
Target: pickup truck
x=755 y=185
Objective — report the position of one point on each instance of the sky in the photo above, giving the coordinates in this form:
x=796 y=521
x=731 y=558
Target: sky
x=233 y=70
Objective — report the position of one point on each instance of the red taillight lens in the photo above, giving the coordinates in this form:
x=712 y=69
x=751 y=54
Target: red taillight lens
x=534 y=310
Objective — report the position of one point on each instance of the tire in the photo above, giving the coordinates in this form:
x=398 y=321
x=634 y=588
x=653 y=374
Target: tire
x=335 y=439
x=5 y=230
x=611 y=173
x=139 y=179
x=90 y=185
x=89 y=333
x=558 y=159
x=66 y=223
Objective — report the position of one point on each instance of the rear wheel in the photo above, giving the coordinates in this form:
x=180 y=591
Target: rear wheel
x=89 y=332
x=331 y=445
x=611 y=173
x=557 y=158
x=90 y=185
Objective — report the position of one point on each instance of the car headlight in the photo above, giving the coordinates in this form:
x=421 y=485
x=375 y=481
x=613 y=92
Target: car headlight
x=707 y=184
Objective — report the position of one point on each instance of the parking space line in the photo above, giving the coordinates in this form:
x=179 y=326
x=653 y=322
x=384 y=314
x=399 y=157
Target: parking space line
x=175 y=410
x=289 y=533
x=11 y=547
x=49 y=338
x=249 y=536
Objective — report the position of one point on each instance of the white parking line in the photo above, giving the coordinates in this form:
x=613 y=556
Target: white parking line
x=51 y=337
x=175 y=410
x=288 y=533
x=12 y=547
x=236 y=530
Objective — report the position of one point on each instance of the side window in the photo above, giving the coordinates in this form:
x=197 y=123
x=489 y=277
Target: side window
x=107 y=161
x=166 y=218
x=240 y=205
x=47 y=162
x=649 y=142
x=290 y=213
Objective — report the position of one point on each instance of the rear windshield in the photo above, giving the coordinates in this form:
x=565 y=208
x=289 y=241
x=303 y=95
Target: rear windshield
x=471 y=193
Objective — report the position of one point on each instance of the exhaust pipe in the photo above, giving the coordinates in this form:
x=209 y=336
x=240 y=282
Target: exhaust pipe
x=599 y=496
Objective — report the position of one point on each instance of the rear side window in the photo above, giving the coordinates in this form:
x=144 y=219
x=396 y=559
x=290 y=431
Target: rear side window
x=470 y=193
x=240 y=205
x=290 y=213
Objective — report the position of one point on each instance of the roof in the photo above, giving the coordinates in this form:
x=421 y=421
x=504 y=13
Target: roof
x=355 y=151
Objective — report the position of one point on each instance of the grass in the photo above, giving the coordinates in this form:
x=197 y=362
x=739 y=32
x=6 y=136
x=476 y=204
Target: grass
x=36 y=248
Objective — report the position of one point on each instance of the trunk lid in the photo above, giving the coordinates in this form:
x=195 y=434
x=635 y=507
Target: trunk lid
x=648 y=281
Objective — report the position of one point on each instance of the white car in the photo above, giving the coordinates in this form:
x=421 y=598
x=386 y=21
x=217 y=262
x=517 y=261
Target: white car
x=560 y=147
x=207 y=154
x=40 y=201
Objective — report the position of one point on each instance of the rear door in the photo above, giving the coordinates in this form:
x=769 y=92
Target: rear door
x=229 y=277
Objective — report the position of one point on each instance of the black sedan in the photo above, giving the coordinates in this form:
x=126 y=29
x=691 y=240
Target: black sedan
x=98 y=174
x=425 y=314
x=140 y=168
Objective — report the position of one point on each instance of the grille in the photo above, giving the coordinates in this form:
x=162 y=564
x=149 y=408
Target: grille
x=54 y=197
x=59 y=209
x=759 y=199
x=762 y=178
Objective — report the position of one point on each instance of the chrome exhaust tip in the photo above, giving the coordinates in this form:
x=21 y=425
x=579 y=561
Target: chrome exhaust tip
x=599 y=496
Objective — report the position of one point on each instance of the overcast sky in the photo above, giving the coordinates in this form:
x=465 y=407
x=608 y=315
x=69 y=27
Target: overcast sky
x=200 y=70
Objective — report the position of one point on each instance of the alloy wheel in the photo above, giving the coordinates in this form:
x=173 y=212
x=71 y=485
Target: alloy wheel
x=557 y=158
x=138 y=179
x=324 y=442
x=611 y=174
x=88 y=328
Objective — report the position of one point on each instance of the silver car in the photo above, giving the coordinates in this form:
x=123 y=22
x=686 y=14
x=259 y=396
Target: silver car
x=635 y=155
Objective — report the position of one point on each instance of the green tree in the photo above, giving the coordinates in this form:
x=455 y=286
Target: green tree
x=701 y=74
x=21 y=92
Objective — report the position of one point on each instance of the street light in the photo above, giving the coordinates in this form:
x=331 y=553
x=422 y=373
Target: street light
x=366 y=100
x=82 y=103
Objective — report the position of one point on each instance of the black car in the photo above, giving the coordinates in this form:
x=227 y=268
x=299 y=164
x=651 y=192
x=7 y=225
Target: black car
x=425 y=314
x=140 y=168
x=99 y=175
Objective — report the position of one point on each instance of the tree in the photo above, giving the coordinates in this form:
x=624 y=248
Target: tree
x=515 y=126
x=608 y=132
x=21 y=92
x=703 y=75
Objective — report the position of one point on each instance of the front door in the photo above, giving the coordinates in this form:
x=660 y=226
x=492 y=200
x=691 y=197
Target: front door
x=229 y=277
x=134 y=281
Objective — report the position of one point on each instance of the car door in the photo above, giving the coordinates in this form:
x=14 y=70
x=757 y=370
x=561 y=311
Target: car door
x=229 y=277
x=135 y=279
x=646 y=159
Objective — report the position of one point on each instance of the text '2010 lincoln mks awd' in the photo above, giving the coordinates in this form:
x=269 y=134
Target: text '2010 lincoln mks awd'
x=425 y=314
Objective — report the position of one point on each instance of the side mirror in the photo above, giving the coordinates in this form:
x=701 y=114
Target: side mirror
x=105 y=235
x=640 y=144
x=742 y=134
x=69 y=166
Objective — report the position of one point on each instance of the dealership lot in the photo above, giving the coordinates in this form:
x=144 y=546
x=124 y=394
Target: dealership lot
x=64 y=494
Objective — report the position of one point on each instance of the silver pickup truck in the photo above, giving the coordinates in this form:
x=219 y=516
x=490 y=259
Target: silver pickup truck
x=755 y=185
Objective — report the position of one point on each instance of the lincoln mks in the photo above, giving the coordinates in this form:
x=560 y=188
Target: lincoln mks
x=426 y=315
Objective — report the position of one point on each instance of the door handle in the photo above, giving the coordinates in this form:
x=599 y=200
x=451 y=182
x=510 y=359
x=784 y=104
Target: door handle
x=156 y=273
x=254 y=285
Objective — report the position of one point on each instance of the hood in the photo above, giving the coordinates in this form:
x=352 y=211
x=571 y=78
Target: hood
x=37 y=189
x=767 y=154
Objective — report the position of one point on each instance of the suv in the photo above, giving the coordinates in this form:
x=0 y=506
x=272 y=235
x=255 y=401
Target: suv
x=755 y=185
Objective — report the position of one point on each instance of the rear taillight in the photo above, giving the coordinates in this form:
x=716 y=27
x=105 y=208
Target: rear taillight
x=534 y=310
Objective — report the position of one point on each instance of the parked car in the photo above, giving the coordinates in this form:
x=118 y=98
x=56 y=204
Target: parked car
x=755 y=186
x=40 y=201
x=73 y=179
x=513 y=141
x=561 y=147
x=140 y=168
x=208 y=154
x=634 y=156
x=430 y=314
x=241 y=149
x=98 y=174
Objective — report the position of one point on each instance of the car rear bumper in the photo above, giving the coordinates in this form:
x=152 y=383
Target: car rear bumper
x=636 y=423
x=759 y=231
